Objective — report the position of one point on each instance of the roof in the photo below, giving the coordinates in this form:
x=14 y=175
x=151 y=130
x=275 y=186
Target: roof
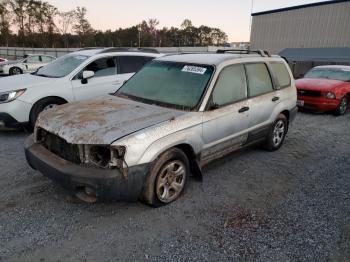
x=299 y=7
x=96 y=51
x=204 y=58
x=338 y=55
x=345 y=67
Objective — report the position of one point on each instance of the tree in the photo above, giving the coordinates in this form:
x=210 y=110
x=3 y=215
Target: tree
x=65 y=22
x=5 y=18
x=82 y=27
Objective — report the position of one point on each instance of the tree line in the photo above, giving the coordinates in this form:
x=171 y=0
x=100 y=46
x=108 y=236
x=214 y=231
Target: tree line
x=35 y=23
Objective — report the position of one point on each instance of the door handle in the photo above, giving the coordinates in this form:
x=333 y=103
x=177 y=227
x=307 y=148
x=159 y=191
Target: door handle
x=243 y=109
x=276 y=98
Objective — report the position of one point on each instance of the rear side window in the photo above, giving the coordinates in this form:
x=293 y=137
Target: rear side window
x=132 y=64
x=259 y=80
x=281 y=73
x=46 y=59
x=231 y=86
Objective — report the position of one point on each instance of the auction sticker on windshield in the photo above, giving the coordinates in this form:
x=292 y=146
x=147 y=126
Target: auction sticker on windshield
x=194 y=69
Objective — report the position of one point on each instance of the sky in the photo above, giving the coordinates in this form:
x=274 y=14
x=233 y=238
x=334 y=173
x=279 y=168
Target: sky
x=231 y=16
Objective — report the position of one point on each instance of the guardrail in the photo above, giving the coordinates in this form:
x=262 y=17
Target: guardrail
x=19 y=52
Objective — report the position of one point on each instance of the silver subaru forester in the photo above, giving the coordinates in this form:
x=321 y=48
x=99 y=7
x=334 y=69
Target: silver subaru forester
x=171 y=118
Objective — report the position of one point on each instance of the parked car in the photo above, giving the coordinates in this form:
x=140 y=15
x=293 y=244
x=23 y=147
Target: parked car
x=77 y=76
x=175 y=115
x=325 y=88
x=29 y=64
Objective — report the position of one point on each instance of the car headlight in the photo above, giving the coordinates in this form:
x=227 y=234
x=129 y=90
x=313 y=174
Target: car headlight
x=330 y=95
x=107 y=157
x=11 y=95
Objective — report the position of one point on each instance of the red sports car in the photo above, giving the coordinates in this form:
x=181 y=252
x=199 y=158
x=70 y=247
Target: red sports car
x=325 y=88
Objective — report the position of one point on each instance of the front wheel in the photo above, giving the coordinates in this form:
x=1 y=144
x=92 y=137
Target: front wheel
x=342 y=107
x=15 y=71
x=167 y=178
x=277 y=133
x=43 y=105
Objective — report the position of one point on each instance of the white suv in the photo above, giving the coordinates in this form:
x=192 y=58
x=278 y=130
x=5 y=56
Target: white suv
x=29 y=64
x=77 y=76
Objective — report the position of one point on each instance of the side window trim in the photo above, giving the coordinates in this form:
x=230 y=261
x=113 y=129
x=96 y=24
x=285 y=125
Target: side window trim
x=217 y=80
x=270 y=75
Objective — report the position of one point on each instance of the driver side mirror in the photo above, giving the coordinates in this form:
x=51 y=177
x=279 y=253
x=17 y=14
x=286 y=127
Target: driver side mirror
x=86 y=75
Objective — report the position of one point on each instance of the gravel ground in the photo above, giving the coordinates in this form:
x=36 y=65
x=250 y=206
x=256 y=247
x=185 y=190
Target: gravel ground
x=290 y=205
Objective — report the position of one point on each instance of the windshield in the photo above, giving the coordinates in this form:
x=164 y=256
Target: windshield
x=61 y=66
x=329 y=73
x=170 y=84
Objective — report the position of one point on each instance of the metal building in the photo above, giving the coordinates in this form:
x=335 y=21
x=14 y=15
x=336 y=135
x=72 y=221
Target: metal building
x=317 y=25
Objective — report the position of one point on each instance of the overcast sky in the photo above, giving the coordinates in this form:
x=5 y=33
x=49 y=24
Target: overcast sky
x=232 y=16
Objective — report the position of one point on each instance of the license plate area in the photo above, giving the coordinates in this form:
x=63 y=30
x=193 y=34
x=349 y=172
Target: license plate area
x=300 y=103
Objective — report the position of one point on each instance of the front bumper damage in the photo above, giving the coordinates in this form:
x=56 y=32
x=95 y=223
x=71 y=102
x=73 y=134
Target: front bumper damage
x=107 y=184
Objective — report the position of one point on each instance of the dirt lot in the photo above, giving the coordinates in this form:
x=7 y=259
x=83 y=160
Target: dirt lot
x=289 y=205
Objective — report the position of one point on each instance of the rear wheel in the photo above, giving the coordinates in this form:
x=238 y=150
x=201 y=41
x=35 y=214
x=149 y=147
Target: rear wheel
x=43 y=105
x=167 y=178
x=342 y=107
x=277 y=134
x=15 y=71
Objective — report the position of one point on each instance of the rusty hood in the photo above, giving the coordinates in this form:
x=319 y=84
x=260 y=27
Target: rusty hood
x=102 y=121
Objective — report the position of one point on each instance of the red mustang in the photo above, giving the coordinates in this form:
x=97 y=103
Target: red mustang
x=325 y=88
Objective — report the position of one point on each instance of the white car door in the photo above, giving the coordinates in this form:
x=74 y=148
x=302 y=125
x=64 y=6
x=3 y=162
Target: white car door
x=226 y=121
x=105 y=80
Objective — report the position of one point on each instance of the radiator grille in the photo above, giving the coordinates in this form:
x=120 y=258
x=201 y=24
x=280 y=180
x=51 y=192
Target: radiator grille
x=61 y=148
x=309 y=93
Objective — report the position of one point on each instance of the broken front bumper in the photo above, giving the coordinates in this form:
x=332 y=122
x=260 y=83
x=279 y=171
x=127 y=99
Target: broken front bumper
x=109 y=184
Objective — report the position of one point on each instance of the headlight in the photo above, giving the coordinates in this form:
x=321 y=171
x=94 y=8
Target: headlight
x=107 y=157
x=330 y=95
x=10 y=96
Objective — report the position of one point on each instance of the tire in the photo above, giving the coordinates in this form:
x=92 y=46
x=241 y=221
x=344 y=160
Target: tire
x=159 y=188
x=42 y=105
x=342 y=107
x=277 y=133
x=15 y=71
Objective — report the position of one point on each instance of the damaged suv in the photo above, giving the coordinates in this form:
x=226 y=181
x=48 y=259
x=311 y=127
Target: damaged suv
x=174 y=116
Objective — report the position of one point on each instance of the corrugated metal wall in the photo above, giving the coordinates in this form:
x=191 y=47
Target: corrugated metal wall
x=318 y=26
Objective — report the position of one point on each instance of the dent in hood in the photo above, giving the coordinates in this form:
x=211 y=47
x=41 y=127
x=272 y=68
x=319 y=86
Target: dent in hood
x=16 y=82
x=102 y=121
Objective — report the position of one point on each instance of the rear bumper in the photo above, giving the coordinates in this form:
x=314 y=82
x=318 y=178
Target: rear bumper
x=320 y=104
x=109 y=184
x=293 y=114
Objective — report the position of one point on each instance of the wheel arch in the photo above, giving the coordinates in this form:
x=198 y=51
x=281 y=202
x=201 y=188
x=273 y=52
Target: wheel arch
x=41 y=99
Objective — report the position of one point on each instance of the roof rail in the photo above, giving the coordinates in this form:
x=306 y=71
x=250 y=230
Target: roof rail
x=263 y=53
x=127 y=49
x=89 y=48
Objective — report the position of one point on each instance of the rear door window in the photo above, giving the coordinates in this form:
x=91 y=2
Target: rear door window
x=259 y=79
x=46 y=59
x=281 y=74
x=132 y=64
